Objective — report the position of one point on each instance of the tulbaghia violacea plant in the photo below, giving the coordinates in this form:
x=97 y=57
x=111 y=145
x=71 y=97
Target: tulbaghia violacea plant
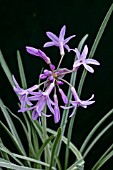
x=54 y=80
x=48 y=100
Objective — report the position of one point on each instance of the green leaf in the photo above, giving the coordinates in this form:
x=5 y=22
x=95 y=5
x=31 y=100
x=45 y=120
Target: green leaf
x=35 y=141
x=94 y=130
x=12 y=127
x=58 y=163
x=103 y=160
x=97 y=138
x=16 y=167
x=24 y=85
x=4 y=155
x=95 y=44
x=44 y=145
x=10 y=135
x=78 y=165
x=70 y=128
x=31 y=160
x=71 y=145
x=5 y=150
x=91 y=54
x=20 y=121
x=54 y=148
x=47 y=155
x=98 y=163
x=72 y=81
x=6 y=69
x=38 y=128
x=81 y=43
x=21 y=70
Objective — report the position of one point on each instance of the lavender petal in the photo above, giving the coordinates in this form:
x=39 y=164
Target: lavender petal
x=34 y=115
x=53 y=37
x=49 y=44
x=84 y=52
x=62 y=33
x=64 y=97
x=92 y=61
x=88 y=68
x=68 y=39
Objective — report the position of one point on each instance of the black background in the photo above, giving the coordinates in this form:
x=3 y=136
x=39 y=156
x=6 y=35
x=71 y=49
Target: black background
x=25 y=23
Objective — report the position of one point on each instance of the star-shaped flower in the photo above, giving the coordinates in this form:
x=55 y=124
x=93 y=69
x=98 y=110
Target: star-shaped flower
x=59 y=41
x=42 y=99
x=81 y=60
x=78 y=102
x=23 y=94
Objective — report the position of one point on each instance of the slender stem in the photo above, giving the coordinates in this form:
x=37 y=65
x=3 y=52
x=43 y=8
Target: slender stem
x=62 y=56
x=65 y=82
x=42 y=83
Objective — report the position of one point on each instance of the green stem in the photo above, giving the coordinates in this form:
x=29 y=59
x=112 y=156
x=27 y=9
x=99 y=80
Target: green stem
x=60 y=61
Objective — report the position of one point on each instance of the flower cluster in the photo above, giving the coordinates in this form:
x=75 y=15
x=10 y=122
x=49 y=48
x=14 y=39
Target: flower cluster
x=54 y=78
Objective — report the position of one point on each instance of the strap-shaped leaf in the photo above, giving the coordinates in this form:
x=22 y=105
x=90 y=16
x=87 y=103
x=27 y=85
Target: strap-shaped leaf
x=99 y=162
x=94 y=130
x=12 y=127
x=44 y=145
x=21 y=70
x=54 y=148
x=6 y=69
x=97 y=138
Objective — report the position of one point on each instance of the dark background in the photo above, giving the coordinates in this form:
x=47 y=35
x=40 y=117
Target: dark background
x=25 y=23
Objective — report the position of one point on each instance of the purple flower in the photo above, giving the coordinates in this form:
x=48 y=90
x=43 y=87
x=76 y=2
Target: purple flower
x=83 y=61
x=38 y=53
x=78 y=102
x=23 y=94
x=56 y=110
x=64 y=97
x=43 y=99
x=59 y=41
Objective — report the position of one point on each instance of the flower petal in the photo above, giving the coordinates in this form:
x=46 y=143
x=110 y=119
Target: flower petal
x=88 y=68
x=53 y=37
x=92 y=61
x=49 y=44
x=32 y=50
x=84 y=52
x=49 y=105
x=68 y=39
x=38 y=53
x=87 y=102
x=66 y=107
x=73 y=111
x=76 y=64
x=77 y=52
x=15 y=82
x=64 y=97
x=42 y=76
x=62 y=33
x=56 y=110
x=67 y=47
x=76 y=97
x=34 y=115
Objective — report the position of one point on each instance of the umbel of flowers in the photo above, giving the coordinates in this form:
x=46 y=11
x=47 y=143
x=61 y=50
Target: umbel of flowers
x=53 y=80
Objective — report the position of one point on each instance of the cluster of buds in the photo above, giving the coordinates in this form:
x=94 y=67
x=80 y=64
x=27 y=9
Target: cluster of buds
x=53 y=79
